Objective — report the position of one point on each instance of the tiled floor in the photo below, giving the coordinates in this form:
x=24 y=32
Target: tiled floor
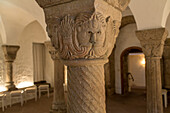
x=132 y=103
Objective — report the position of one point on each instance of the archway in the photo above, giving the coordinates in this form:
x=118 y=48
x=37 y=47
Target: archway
x=124 y=67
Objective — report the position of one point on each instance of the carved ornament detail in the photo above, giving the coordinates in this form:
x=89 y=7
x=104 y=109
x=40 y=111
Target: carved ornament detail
x=88 y=36
x=152 y=41
x=53 y=52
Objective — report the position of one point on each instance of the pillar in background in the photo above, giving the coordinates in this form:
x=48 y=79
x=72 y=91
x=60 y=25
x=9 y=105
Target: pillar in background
x=152 y=42
x=166 y=64
x=58 y=105
x=10 y=52
x=84 y=32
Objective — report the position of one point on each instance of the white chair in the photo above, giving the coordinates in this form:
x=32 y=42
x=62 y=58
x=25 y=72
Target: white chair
x=44 y=88
x=16 y=94
x=2 y=100
x=164 y=93
x=31 y=90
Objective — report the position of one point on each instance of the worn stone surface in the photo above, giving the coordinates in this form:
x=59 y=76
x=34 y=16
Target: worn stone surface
x=127 y=20
x=85 y=34
x=10 y=53
x=58 y=105
x=166 y=64
x=152 y=42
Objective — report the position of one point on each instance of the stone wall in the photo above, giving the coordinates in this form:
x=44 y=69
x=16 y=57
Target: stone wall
x=166 y=64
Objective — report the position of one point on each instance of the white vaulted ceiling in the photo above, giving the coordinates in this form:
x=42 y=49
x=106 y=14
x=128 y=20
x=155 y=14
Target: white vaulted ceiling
x=16 y=15
x=150 y=13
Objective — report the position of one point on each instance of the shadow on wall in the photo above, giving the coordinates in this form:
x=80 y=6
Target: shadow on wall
x=23 y=65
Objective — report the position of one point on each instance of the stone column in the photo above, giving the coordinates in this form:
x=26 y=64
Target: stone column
x=10 y=52
x=58 y=105
x=84 y=32
x=166 y=64
x=152 y=42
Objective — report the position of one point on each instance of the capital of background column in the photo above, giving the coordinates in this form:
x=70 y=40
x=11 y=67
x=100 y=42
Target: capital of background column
x=53 y=52
x=152 y=41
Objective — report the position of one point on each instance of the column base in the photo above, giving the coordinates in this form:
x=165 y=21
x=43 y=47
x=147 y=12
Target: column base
x=58 y=111
x=58 y=108
x=110 y=91
x=11 y=87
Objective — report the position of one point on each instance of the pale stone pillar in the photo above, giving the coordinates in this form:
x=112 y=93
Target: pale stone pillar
x=58 y=105
x=84 y=32
x=10 y=52
x=152 y=42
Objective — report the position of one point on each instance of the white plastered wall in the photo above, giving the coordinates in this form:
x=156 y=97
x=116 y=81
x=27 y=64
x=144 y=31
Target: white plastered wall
x=126 y=39
x=49 y=68
x=136 y=67
x=16 y=16
x=23 y=65
x=22 y=22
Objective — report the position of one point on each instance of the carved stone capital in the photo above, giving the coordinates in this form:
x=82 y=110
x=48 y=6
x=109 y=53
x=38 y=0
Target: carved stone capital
x=85 y=30
x=10 y=52
x=152 y=41
x=53 y=52
x=119 y=4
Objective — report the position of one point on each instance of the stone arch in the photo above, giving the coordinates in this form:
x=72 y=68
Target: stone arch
x=127 y=20
x=124 y=66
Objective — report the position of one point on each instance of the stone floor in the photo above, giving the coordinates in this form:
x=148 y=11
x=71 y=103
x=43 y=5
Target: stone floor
x=134 y=102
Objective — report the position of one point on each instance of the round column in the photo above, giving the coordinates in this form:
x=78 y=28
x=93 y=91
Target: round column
x=84 y=32
x=10 y=52
x=58 y=105
x=152 y=42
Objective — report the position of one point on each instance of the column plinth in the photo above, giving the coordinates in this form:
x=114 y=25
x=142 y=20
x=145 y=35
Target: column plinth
x=152 y=42
x=10 y=53
x=84 y=32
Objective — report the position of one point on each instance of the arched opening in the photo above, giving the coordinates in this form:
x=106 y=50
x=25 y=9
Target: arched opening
x=132 y=69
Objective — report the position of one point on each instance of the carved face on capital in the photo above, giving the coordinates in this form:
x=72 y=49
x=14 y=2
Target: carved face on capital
x=92 y=32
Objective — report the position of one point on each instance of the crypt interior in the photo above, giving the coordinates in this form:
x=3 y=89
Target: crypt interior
x=84 y=56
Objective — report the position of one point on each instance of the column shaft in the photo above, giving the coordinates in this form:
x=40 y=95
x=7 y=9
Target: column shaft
x=9 y=78
x=58 y=100
x=58 y=105
x=154 y=86
x=84 y=33
x=86 y=89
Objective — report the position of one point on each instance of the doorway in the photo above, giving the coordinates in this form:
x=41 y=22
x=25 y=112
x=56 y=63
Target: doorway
x=132 y=69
